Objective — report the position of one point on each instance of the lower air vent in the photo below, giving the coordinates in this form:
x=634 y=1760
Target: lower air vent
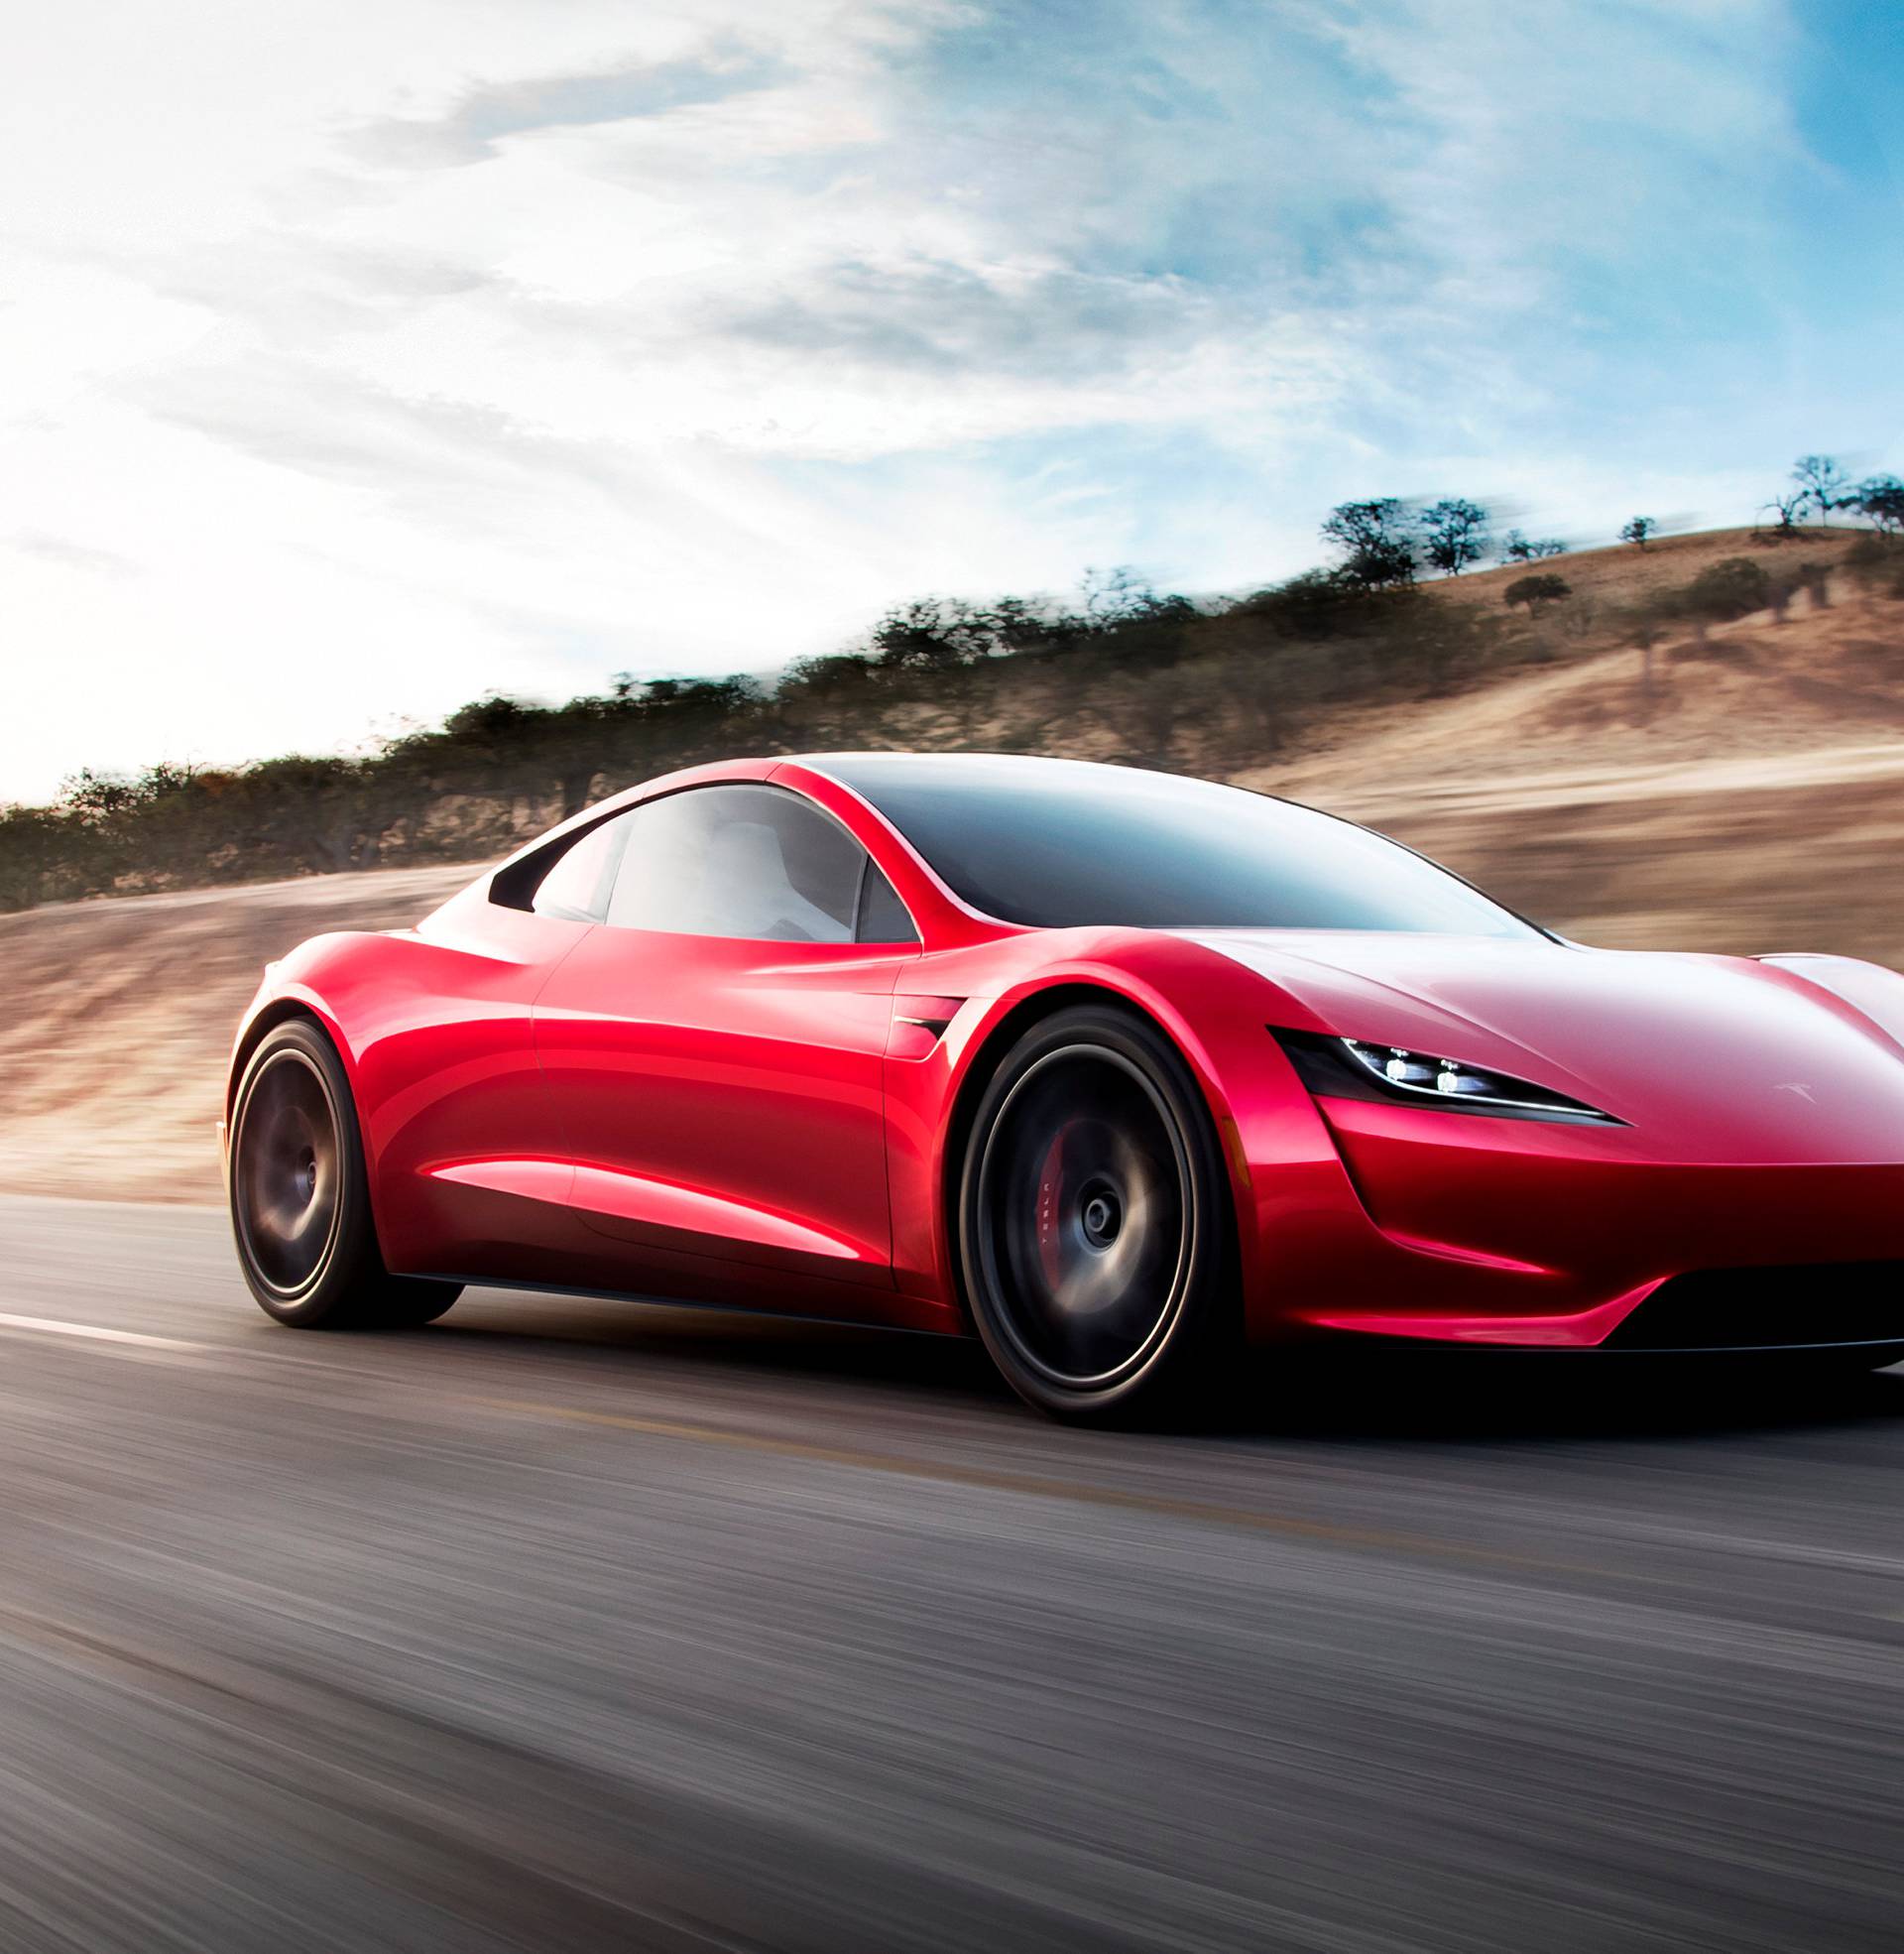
x=1770 y=1308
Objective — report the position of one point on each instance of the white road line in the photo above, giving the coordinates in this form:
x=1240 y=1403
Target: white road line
x=57 y=1327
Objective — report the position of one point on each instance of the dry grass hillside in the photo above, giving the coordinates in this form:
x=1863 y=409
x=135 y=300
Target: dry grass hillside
x=1750 y=797
x=120 y=1016
x=1622 y=574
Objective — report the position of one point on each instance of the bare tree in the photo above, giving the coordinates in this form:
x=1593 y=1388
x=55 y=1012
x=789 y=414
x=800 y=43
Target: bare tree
x=1823 y=484
x=1788 y=508
x=1640 y=530
x=1114 y=595
x=1519 y=548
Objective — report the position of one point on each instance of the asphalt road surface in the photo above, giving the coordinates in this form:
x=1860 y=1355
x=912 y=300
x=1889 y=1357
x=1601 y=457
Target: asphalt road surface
x=569 y=1625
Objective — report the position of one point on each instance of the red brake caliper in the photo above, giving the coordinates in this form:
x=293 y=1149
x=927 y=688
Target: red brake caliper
x=1050 y=1214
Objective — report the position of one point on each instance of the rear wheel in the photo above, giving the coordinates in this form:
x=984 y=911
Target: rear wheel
x=300 y=1195
x=1094 y=1224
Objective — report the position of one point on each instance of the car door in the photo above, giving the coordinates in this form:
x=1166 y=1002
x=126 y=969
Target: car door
x=469 y=1175
x=714 y=1048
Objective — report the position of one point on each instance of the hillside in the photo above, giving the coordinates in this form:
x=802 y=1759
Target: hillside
x=1620 y=575
x=1216 y=686
x=1750 y=799
x=1817 y=677
x=120 y=1018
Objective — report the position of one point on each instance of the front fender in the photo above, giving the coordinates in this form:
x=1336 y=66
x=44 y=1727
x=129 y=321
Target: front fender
x=1277 y=1151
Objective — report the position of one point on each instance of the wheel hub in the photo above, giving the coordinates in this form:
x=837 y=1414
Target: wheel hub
x=1100 y=1217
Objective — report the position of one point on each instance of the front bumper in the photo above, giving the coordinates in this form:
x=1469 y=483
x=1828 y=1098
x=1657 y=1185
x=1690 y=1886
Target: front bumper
x=1443 y=1228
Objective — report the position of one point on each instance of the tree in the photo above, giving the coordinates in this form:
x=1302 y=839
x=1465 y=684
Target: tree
x=1317 y=605
x=1377 y=541
x=1880 y=501
x=36 y=856
x=1822 y=484
x=1639 y=530
x=1534 y=592
x=1788 y=508
x=1453 y=534
x=1019 y=626
x=930 y=634
x=1519 y=548
x=96 y=797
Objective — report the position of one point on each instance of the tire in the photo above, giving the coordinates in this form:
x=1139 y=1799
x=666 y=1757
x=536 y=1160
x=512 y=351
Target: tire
x=1094 y=1224
x=300 y=1195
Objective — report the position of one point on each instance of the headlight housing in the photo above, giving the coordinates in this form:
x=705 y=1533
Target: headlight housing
x=1359 y=1068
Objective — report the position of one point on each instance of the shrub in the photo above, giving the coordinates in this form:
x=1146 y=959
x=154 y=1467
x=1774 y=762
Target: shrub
x=1726 y=591
x=1534 y=592
x=1317 y=605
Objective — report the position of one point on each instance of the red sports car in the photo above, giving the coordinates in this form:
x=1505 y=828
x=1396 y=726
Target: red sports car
x=1117 y=1070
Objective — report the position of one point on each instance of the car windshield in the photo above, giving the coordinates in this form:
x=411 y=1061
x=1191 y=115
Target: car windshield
x=1063 y=843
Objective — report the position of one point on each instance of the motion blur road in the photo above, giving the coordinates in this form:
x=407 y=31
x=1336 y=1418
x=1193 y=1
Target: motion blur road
x=564 y=1625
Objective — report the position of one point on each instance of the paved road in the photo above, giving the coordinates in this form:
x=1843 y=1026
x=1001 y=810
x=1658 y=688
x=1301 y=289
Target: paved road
x=558 y=1626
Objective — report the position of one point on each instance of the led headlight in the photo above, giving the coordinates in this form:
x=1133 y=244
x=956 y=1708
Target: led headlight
x=1353 y=1069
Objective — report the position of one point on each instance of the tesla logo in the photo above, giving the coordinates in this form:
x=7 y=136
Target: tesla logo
x=1803 y=1091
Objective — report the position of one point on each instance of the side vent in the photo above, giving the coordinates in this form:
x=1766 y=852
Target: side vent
x=919 y=1024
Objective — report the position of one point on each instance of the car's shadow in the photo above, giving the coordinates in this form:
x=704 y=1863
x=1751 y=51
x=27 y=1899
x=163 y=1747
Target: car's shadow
x=1465 y=1396
x=653 y=1339
x=1498 y=1397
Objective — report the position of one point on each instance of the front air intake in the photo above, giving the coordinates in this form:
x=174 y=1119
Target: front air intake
x=1791 y=1307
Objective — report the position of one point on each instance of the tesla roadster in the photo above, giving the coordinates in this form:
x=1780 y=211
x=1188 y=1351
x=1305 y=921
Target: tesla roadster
x=1115 y=1070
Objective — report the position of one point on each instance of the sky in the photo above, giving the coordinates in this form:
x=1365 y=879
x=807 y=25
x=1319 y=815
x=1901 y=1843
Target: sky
x=357 y=360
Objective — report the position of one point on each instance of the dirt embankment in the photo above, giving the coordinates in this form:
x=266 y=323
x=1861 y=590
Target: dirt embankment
x=120 y=1015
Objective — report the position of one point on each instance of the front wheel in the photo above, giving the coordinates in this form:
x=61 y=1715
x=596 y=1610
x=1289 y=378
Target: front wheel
x=300 y=1195
x=1093 y=1222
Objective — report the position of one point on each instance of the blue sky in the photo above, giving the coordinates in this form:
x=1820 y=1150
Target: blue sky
x=355 y=360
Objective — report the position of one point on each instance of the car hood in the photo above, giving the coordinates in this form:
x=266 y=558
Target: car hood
x=1708 y=1056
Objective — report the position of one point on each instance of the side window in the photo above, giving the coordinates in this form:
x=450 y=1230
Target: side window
x=882 y=916
x=742 y=861
x=577 y=888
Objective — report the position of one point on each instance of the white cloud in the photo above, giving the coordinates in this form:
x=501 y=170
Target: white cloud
x=354 y=360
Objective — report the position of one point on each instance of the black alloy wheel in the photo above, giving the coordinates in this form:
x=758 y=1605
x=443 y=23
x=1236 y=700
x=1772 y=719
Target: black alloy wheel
x=1094 y=1221
x=300 y=1196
